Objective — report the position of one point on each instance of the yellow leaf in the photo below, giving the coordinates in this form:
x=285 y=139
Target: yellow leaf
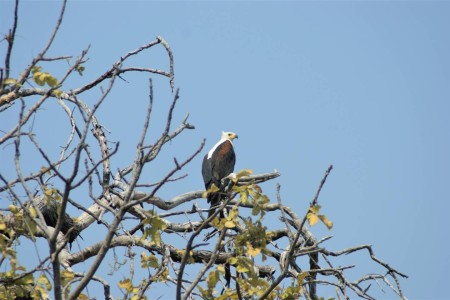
x=242 y=269
x=2 y=226
x=232 y=260
x=14 y=209
x=190 y=259
x=67 y=275
x=32 y=212
x=312 y=219
x=301 y=277
x=38 y=79
x=213 y=278
x=230 y=224
x=257 y=188
x=234 y=213
x=43 y=281
x=149 y=261
x=221 y=268
x=164 y=275
x=57 y=93
x=9 y=81
x=244 y=197
x=218 y=223
x=252 y=251
x=28 y=279
x=235 y=177
x=126 y=285
x=242 y=173
x=48 y=192
x=326 y=221
x=82 y=297
x=39 y=293
x=158 y=223
x=213 y=189
x=203 y=292
x=42 y=77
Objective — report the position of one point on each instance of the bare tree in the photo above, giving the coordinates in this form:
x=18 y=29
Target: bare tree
x=231 y=256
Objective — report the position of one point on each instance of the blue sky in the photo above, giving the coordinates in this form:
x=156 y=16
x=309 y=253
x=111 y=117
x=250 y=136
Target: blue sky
x=360 y=85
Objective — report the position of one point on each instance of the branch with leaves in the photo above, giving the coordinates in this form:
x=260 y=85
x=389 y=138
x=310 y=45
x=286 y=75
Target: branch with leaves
x=230 y=253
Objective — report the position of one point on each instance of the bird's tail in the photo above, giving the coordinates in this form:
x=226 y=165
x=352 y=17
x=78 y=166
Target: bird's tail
x=214 y=199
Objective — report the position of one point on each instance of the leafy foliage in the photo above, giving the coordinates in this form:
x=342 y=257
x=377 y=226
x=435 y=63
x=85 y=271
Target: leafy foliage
x=313 y=217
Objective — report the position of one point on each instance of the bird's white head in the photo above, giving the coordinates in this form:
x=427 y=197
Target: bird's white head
x=226 y=135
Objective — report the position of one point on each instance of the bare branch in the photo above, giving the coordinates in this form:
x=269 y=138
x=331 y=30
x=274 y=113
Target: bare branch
x=115 y=69
x=10 y=39
x=169 y=52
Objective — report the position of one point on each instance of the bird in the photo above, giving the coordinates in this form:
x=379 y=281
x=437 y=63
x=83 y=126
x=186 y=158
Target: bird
x=217 y=164
x=50 y=211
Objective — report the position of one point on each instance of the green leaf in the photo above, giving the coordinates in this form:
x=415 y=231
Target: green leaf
x=149 y=261
x=232 y=260
x=213 y=278
x=244 y=197
x=38 y=77
x=301 y=277
x=57 y=93
x=315 y=209
x=51 y=81
x=80 y=69
x=156 y=224
x=36 y=69
x=43 y=77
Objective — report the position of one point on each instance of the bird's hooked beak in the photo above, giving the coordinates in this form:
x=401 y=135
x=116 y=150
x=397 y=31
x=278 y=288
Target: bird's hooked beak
x=229 y=135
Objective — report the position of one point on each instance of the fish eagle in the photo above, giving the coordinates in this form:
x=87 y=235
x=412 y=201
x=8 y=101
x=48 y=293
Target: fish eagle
x=218 y=163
